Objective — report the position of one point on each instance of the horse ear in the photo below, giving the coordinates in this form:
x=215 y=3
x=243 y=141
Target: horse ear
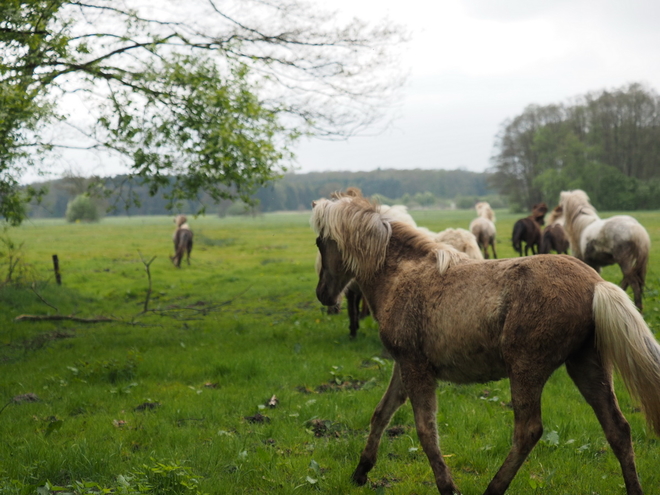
x=313 y=204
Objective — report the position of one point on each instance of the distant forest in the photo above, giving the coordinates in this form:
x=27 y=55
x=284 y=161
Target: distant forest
x=422 y=188
x=604 y=142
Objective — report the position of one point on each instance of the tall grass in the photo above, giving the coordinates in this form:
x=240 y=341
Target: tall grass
x=174 y=400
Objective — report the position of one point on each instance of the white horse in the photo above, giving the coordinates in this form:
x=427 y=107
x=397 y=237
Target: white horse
x=483 y=228
x=461 y=240
x=601 y=242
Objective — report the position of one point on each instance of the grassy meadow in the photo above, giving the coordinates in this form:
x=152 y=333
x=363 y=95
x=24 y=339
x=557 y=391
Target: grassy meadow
x=176 y=399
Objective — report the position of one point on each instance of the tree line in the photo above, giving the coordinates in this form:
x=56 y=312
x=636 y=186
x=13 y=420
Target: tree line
x=605 y=142
x=426 y=188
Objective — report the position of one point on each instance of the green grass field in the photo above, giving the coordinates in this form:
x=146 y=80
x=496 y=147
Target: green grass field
x=174 y=400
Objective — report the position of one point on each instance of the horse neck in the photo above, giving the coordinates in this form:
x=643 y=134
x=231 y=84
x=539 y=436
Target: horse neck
x=378 y=288
x=575 y=228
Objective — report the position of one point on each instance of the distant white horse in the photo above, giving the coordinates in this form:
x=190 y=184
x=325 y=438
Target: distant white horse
x=483 y=228
x=183 y=240
x=620 y=239
x=461 y=240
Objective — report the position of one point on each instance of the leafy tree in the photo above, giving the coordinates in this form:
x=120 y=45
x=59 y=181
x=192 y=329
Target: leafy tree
x=607 y=143
x=82 y=209
x=197 y=96
x=424 y=199
x=517 y=163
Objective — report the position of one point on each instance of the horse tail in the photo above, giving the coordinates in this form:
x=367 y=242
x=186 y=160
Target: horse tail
x=638 y=259
x=625 y=341
x=516 y=238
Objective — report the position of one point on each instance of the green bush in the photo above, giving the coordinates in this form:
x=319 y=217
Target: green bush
x=82 y=209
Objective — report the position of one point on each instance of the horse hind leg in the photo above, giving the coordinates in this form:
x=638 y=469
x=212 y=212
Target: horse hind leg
x=595 y=384
x=393 y=398
x=526 y=389
x=484 y=247
x=632 y=278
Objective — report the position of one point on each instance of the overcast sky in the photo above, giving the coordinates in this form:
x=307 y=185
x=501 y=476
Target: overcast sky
x=475 y=63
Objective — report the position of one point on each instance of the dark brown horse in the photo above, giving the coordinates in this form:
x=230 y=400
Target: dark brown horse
x=444 y=316
x=528 y=230
x=183 y=241
x=554 y=236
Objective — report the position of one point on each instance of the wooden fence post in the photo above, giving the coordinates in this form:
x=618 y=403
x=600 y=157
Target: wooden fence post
x=56 y=266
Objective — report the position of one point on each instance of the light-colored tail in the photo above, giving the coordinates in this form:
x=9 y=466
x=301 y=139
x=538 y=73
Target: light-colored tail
x=625 y=341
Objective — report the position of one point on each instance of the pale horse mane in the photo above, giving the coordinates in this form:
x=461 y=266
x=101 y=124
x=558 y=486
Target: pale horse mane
x=556 y=217
x=485 y=211
x=462 y=240
x=180 y=222
x=578 y=214
x=362 y=233
x=397 y=213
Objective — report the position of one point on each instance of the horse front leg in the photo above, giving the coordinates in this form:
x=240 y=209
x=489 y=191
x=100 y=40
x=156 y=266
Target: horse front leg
x=394 y=398
x=353 y=298
x=421 y=386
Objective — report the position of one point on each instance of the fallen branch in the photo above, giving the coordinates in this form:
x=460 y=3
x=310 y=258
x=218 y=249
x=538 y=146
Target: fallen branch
x=174 y=311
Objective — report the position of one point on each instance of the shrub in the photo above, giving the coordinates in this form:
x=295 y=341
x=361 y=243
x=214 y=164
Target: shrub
x=82 y=209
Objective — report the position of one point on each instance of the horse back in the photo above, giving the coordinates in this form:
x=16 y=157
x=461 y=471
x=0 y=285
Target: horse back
x=606 y=241
x=474 y=322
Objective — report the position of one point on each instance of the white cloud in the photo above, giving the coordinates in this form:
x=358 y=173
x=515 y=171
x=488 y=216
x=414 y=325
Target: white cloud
x=475 y=63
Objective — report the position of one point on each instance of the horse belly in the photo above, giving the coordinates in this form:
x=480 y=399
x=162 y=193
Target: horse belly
x=467 y=357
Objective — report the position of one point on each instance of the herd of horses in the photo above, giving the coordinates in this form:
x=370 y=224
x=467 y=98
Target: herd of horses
x=449 y=314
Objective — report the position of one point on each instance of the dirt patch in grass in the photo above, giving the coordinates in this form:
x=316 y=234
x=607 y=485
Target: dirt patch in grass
x=34 y=344
x=335 y=385
x=327 y=428
x=147 y=406
x=43 y=339
x=257 y=419
x=397 y=431
x=384 y=482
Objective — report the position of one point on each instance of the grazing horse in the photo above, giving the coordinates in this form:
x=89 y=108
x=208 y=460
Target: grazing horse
x=528 y=230
x=619 y=239
x=483 y=228
x=554 y=236
x=183 y=240
x=444 y=316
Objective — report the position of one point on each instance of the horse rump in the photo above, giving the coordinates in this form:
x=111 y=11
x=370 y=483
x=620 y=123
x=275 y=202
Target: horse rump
x=183 y=243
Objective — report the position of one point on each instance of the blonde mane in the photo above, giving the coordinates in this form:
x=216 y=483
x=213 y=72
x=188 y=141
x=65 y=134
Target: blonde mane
x=556 y=217
x=485 y=211
x=180 y=222
x=362 y=233
x=578 y=214
x=461 y=240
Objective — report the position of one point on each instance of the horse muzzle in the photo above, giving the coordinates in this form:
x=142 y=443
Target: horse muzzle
x=326 y=297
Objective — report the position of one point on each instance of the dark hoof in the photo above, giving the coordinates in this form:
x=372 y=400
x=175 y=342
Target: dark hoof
x=359 y=478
